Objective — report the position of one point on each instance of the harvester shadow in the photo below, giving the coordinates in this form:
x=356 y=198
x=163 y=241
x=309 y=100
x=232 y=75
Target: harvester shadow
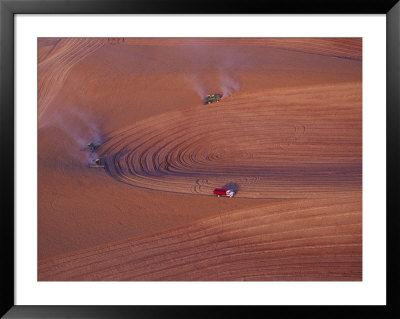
x=232 y=186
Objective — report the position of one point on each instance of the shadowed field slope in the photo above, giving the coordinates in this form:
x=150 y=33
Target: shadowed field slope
x=297 y=143
x=297 y=240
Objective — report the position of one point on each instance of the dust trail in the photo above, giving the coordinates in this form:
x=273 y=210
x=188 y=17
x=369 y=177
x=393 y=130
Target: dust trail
x=81 y=127
x=196 y=84
x=228 y=84
x=214 y=71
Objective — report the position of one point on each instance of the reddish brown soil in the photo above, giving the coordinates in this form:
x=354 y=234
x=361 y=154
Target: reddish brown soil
x=287 y=134
x=280 y=241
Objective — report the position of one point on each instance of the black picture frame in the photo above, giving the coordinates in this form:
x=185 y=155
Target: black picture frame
x=8 y=10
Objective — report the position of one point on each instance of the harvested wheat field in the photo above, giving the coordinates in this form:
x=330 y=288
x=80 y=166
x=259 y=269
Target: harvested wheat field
x=138 y=205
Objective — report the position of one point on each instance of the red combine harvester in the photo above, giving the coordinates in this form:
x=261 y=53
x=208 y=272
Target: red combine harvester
x=223 y=192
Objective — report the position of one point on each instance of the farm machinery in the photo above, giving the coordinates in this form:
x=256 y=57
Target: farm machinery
x=224 y=192
x=94 y=161
x=211 y=98
x=97 y=162
x=91 y=147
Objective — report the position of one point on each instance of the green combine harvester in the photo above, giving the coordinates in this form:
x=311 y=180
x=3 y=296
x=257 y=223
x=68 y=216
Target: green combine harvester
x=215 y=97
x=97 y=162
x=91 y=147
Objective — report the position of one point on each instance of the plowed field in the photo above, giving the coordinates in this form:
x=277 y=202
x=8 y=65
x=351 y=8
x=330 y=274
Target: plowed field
x=286 y=136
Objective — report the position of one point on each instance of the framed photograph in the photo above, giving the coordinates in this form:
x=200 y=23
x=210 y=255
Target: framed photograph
x=170 y=154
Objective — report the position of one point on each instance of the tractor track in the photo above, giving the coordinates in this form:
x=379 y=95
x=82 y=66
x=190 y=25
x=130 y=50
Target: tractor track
x=275 y=242
x=54 y=68
x=269 y=144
